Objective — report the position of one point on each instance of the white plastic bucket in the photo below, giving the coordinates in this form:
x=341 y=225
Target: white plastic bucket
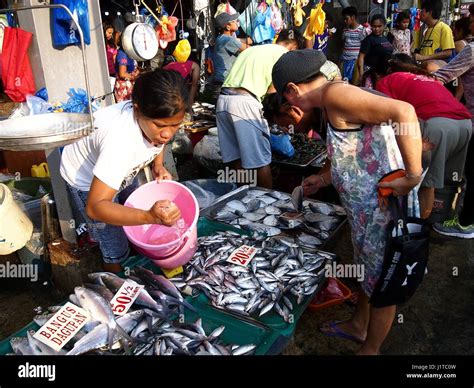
x=15 y=226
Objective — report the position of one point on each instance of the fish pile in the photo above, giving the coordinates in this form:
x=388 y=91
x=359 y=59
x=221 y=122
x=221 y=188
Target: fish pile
x=147 y=329
x=306 y=150
x=189 y=339
x=272 y=212
x=204 y=111
x=279 y=273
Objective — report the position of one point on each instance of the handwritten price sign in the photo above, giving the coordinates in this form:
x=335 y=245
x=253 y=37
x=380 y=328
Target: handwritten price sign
x=242 y=255
x=124 y=298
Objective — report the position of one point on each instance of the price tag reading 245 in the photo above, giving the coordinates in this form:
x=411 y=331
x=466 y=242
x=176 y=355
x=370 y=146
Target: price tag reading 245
x=124 y=298
x=242 y=255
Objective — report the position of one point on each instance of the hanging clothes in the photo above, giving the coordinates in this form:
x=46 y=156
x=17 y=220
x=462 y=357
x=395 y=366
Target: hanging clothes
x=263 y=31
x=316 y=21
x=17 y=75
x=299 y=14
x=247 y=17
x=277 y=19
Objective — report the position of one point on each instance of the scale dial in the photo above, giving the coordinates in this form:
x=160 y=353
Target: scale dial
x=140 y=42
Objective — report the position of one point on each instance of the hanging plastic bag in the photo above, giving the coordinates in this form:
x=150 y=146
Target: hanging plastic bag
x=225 y=7
x=166 y=30
x=65 y=32
x=17 y=75
x=182 y=51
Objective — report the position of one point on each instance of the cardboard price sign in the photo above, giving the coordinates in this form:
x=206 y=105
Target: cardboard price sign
x=242 y=255
x=124 y=298
x=64 y=325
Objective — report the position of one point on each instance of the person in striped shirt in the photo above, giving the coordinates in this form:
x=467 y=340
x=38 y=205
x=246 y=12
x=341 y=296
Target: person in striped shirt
x=352 y=37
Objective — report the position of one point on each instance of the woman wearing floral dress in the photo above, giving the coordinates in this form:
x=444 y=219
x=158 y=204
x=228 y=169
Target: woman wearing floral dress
x=361 y=151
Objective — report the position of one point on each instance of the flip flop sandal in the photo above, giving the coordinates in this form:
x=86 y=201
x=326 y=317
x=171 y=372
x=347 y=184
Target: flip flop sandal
x=336 y=332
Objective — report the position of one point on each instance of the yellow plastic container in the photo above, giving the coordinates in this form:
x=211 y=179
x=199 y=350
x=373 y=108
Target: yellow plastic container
x=15 y=227
x=40 y=171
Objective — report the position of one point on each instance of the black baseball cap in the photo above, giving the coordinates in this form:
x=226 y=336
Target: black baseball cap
x=225 y=18
x=296 y=66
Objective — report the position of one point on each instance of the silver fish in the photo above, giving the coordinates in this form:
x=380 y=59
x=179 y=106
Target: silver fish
x=245 y=349
x=272 y=210
x=322 y=208
x=270 y=220
x=267 y=199
x=237 y=205
x=297 y=198
x=253 y=216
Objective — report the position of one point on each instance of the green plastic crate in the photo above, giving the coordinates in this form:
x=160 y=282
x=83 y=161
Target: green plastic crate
x=5 y=346
x=238 y=332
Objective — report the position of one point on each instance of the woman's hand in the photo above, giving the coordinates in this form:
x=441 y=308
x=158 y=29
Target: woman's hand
x=313 y=183
x=164 y=212
x=161 y=173
x=401 y=186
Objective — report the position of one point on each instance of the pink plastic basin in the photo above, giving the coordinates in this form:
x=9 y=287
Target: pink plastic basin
x=162 y=243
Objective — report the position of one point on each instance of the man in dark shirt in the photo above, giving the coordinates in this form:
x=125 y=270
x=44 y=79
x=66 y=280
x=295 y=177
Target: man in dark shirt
x=374 y=46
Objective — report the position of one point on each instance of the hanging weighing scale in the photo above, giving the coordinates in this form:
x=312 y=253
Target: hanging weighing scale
x=139 y=39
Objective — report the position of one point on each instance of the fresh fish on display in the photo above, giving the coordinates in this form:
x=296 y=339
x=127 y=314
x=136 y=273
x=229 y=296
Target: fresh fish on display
x=308 y=241
x=321 y=207
x=271 y=220
x=142 y=330
x=226 y=215
x=237 y=205
x=253 y=216
x=251 y=213
x=254 y=205
x=272 y=210
x=21 y=346
x=279 y=269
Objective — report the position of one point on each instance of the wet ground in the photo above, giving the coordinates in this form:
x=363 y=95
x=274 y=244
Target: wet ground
x=437 y=321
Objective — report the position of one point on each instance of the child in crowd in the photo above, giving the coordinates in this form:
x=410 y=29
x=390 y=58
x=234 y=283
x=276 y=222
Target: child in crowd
x=321 y=41
x=373 y=47
x=400 y=36
x=352 y=37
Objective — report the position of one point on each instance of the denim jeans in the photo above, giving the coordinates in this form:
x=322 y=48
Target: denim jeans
x=112 y=239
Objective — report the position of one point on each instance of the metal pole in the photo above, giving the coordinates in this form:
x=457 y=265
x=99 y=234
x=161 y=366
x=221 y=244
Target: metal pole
x=81 y=36
x=53 y=156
